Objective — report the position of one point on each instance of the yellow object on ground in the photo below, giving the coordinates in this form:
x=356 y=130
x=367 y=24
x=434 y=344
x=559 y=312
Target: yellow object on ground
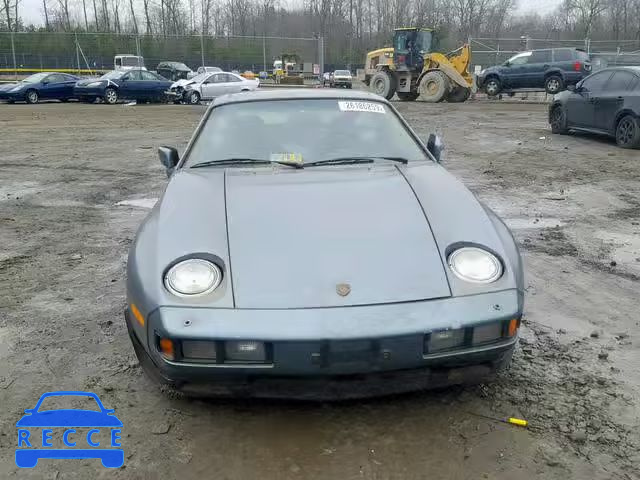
x=517 y=421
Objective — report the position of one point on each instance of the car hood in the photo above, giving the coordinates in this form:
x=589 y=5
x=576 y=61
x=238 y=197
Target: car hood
x=319 y=237
x=322 y=236
x=182 y=82
x=87 y=81
x=8 y=86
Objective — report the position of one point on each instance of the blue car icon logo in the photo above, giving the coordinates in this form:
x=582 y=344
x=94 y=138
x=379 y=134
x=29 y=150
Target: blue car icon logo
x=80 y=433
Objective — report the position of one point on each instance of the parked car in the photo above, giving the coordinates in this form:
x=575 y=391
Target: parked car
x=173 y=70
x=40 y=86
x=341 y=78
x=207 y=86
x=551 y=69
x=606 y=102
x=204 y=70
x=140 y=85
x=358 y=267
x=128 y=62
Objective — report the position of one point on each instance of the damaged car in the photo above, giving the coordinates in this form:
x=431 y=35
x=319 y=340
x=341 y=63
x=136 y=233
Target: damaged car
x=299 y=256
x=207 y=86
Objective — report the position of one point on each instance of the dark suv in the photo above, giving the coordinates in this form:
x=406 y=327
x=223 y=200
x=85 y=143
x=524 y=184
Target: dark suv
x=552 y=69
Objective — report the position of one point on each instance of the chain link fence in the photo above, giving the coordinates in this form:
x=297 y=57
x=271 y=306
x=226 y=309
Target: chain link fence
x=494 y=51
x=32 y=51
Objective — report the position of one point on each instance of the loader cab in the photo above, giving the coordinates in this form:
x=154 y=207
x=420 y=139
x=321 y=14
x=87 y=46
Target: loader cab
x=410 y=45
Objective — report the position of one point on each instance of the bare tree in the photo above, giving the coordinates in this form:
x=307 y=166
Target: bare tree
x=84 y=9
x=133 y=17
x=46 y=15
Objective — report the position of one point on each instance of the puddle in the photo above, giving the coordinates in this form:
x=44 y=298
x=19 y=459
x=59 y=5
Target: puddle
x=625 y=247
x=529 y=223
x=138 y=202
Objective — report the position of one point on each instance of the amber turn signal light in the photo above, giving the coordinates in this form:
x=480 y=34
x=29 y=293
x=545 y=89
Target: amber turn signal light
x=166 y=349
x=514 y=324
x=136 y=313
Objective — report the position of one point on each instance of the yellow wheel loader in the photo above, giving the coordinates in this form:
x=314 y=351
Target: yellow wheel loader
x=412 y=70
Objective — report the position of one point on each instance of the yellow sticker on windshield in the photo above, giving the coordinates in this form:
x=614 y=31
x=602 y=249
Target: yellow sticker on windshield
x=295 y=158
x=351 y=106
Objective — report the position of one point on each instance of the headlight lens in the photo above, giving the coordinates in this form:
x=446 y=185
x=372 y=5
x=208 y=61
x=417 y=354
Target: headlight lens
x=94 y=84
x=193 y=277
x=475 y=265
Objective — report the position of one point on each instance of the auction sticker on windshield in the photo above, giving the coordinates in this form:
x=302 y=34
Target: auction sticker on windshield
x=361 y=107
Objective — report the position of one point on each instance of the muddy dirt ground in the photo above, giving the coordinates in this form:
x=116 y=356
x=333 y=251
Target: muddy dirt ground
x=76 y=181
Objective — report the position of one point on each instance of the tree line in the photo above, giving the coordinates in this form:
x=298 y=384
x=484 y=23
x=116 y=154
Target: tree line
x=346 y=25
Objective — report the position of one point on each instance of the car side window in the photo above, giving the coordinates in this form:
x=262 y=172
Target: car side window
x=218 y=78
x=54 y=78
x=520 y=59
x=562 y=55
x=133 y=75
x=231 y=78
x=540 y=56
x=148 y=75
x=621 y=81
x=596 y=82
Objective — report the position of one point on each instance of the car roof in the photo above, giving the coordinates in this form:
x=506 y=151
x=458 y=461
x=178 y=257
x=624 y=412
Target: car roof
x=614 y=68
x=297 y=94
x=173 y=64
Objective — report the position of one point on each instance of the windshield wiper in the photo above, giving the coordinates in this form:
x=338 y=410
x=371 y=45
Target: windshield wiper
x=243 y=161
x=353 y=160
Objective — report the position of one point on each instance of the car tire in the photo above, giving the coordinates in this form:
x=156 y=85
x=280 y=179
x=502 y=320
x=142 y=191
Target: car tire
x=434 y=86
x=31 y=96
x=558 y=120
x=110 y=96
x=553 y=84
x=193 y=98
x=492 y=86
x=628 y=132
x=408 y=96
x=458 y=94
x=384 y=84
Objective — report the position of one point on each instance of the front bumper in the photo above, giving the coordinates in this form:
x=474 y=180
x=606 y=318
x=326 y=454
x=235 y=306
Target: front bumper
x=88 y=92
x=331 y=353
x=14 y=96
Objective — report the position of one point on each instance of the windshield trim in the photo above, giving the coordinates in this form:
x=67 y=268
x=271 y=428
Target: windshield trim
x=205 y=118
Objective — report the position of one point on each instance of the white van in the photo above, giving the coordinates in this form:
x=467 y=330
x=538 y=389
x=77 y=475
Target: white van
x=127 y=62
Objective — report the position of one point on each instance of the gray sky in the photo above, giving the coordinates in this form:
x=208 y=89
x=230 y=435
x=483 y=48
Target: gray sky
x=31 y=10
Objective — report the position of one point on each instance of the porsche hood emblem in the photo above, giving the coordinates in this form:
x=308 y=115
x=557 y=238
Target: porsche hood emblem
x=343 y=289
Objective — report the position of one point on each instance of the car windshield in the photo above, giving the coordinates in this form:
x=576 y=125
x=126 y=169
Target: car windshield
x=201 y=77
x=344 y=73
x=132 y=61
x=113 y=75
x=35 y=78
x=309 y=130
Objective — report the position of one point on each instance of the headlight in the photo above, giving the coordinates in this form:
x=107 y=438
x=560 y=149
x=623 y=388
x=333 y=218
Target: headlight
x=15 y=89
x=94 y=84
x=475 y=265
x=193 y=277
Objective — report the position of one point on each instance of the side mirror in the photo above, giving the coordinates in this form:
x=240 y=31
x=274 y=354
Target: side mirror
x=169 y=158
x=435 y=147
